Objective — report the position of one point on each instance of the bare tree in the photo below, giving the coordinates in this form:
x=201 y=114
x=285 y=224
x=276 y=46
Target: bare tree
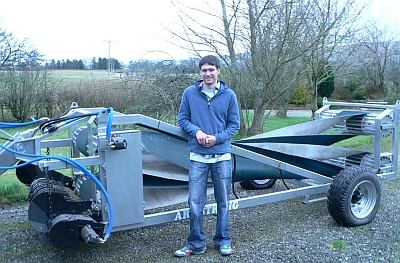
x=160 y=85
x=259 y=41
x=266 y=43
x=275 y=34
x=21 y=83
x=332 y=25
x=19 y=91
x=373 y=53
x=393 y=69
x=11 y=49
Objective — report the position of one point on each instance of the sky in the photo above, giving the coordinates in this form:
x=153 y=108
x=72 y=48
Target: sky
x=77 y=29
x=125 y=29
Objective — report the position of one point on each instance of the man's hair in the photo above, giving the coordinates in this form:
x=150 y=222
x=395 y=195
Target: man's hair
x=211 y=60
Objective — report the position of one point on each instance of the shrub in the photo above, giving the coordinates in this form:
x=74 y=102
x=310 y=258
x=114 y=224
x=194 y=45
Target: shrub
x=93 y=93
x=358 y=94
x=300 y=96
x=392 y=99
x=352 y=85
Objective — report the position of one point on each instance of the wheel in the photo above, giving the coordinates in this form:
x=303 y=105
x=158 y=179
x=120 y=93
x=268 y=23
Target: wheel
x=258 y=184
x=354 y=196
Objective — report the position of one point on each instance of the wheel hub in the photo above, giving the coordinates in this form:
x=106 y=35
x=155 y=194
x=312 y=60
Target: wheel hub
x=363 y=199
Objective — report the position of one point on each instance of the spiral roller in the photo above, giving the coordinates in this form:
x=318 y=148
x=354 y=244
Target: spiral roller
x=80 y=139
x=50 y=198
x=366 y=125
x=362 y=124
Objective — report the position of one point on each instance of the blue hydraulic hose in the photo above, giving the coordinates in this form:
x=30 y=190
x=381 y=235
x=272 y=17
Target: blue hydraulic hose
x=73 y=163
x=17 y=125
x=68 y=160
x=109 y=122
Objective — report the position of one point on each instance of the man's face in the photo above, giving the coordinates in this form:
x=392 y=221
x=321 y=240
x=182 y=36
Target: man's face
x=210 y=75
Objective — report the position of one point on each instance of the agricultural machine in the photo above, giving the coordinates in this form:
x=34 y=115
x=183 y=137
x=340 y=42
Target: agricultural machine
x=122 y=168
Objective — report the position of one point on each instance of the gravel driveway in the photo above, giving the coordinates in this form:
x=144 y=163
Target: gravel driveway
x=296 y=113
x=286 y=231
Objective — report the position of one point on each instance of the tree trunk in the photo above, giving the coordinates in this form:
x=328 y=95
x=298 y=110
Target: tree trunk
x=257 y=126
x=314 y=100
x=243 y=129
x=282 y=110
x=283 y=105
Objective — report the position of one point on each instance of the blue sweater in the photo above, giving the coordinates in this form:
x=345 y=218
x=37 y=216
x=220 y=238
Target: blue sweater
x=219 y=117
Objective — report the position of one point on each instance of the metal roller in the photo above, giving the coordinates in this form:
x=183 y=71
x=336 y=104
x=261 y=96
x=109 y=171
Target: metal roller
x=80 y=138
x=48 y=199
x=359 y=122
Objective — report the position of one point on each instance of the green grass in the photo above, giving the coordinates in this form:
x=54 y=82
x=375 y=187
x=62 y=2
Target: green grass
x=338 y=244
x=274 y=123
x=11 y=189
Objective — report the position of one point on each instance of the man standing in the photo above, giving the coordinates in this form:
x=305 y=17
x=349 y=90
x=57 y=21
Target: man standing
x=209 y=114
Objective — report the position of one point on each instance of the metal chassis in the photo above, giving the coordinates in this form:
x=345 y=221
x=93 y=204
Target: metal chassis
x=318 y=183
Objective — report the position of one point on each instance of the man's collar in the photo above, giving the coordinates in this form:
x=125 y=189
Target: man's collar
x=216 y=87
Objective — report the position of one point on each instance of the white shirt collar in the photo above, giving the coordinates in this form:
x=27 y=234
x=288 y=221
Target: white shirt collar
x=216 y=87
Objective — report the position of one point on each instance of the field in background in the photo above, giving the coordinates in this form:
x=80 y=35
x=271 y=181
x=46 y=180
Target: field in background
x=79 y=75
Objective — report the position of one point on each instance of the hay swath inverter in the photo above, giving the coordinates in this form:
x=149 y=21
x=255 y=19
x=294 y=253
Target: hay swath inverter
x=119 y=175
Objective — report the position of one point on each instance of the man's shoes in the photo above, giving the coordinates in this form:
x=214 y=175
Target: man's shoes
x=183 y=252
x=225 y=250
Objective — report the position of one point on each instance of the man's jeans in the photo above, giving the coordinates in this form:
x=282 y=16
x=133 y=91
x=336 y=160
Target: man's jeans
x=221 y=175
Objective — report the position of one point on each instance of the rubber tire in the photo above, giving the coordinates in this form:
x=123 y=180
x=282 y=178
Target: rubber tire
x=257 y=185
x=354 y=196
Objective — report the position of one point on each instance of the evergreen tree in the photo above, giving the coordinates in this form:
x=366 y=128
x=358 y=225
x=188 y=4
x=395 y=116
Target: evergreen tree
x=81 y=65
x=325 y=89
x=94 y=64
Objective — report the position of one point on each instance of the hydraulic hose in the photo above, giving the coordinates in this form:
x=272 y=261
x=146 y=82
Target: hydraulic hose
x=52 y=125
x=4 y=125
x=76 y=165
x=68 y=160
x=109 y=122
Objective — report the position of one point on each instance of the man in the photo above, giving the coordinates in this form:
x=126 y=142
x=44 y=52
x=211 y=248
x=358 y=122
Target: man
x=209 y=114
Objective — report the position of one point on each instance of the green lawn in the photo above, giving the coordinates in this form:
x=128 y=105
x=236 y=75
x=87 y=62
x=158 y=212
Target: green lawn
x=274 y=123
